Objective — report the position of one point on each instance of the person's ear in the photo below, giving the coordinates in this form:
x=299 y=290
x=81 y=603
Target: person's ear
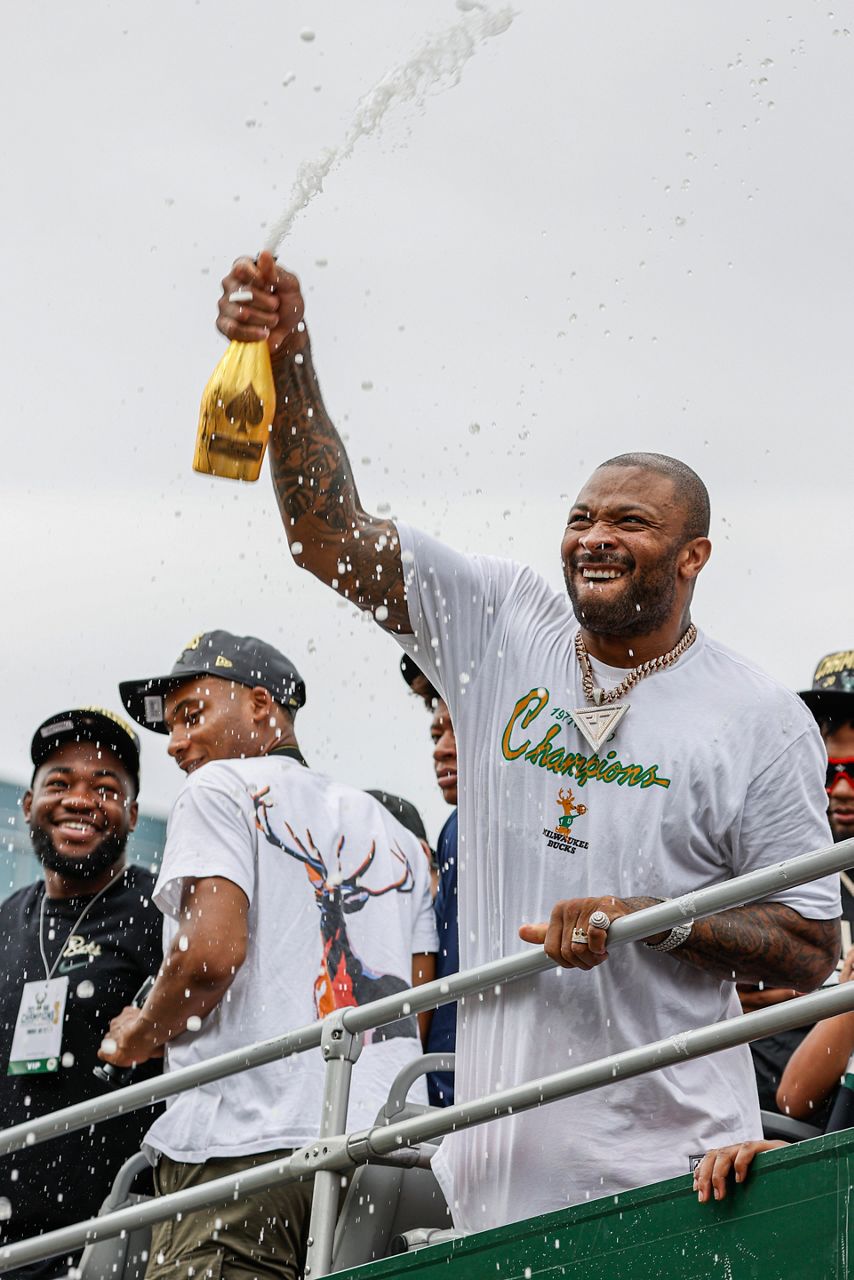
x=27 y=804
x=262 y=706
x=694 y=556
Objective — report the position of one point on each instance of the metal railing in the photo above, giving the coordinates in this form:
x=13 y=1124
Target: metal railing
x=339 y=1036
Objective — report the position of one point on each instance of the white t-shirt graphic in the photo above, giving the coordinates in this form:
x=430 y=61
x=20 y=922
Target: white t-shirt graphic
x=339 y=901
x=715 y=770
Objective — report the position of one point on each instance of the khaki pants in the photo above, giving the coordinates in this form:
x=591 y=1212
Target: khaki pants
x=262 y=1234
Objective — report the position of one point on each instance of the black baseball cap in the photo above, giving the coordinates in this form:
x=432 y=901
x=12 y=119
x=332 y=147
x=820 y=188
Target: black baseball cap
x=404 y=810
x=88 y=724
x=832 y=692
x=243 y=659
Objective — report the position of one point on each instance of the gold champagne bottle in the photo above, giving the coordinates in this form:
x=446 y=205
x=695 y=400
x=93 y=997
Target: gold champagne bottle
x=237 y=408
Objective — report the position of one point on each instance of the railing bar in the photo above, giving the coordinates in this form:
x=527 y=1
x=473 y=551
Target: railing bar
x=146 y=1092
x=735 y=892
x=340 y=1152
x=798 y=1012
x=690 y=906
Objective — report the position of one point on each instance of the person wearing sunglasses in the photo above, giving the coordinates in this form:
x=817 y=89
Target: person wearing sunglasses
x=831 y=700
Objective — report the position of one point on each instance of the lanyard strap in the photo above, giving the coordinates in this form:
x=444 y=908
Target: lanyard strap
x=49 y=970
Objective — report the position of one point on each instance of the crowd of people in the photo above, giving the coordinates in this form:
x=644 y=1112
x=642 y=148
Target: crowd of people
x=588 y=736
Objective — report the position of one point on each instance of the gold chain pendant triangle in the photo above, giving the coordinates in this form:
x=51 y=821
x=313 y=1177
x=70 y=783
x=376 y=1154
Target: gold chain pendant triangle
x=596 y=724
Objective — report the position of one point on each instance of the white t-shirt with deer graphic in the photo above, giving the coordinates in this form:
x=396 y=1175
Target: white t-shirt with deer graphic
x=339 y=901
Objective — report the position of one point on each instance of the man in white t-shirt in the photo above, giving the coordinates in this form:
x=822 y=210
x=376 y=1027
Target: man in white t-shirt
x=610 y=756
x=285 y=896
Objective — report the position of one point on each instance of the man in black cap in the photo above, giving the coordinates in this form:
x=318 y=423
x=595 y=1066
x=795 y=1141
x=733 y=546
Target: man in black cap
x=831 y=700
x=76 y=947
x=285 y=897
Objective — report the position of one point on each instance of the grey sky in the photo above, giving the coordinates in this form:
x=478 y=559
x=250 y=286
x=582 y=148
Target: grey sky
x=629 y=226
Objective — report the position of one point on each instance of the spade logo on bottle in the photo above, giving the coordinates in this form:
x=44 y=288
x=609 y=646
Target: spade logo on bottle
x=243 y=412
x=246 y=409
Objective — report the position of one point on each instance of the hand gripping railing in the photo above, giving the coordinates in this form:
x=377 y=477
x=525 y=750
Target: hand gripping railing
x=339 y=1036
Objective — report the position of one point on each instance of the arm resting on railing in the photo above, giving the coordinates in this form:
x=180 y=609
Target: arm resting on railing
x=762 y=942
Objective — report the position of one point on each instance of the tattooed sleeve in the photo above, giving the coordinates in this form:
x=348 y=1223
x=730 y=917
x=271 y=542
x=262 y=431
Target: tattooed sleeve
x=330 y=533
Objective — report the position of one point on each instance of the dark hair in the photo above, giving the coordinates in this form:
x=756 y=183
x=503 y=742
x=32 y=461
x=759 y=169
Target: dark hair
x=692 y=494
x=828 y=725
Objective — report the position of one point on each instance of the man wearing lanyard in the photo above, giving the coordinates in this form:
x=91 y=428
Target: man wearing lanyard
x=286 y=896
x=76 y=947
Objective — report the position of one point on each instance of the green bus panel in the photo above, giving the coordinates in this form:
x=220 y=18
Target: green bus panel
x=790 y=1220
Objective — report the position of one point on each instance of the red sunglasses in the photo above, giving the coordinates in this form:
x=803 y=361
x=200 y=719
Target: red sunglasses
x=839 y=767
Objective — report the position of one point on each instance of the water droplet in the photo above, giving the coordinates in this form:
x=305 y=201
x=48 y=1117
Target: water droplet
x=183 y=943
x=108 y=1045
x=381 y=613
x=67 y=1059
x=5 y=1209
x=296 y=548
x=307 y=35
x=85 y=989
x=474 y=428
x=194 y=1022
x=367 y=385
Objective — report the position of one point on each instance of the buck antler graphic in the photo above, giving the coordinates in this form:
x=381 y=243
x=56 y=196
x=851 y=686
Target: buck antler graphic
x=343 y=978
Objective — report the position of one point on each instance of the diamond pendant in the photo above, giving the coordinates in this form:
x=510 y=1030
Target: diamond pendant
x=596 y=724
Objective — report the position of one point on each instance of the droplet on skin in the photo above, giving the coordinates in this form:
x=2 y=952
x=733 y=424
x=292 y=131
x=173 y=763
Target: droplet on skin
x=194 y=1023
x=296 y=548
x=108 y=1045
x=381 y=613
x=183 y=943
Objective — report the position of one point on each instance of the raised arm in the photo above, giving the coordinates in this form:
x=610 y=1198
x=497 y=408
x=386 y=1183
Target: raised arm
x=329 y=531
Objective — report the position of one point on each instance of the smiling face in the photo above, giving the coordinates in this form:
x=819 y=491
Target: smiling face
x=444 y=751
x=80 y=810
x=216 y=719
x=628 y=567
x=840 y=746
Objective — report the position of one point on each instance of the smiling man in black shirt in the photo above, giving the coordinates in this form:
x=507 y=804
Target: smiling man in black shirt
x=75 y=947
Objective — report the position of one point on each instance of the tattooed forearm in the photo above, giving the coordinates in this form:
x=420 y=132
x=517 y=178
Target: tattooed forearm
x=330 y=532
x=763 y=942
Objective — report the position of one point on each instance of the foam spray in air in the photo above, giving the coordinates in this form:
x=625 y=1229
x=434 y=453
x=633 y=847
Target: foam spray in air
x=239 y=402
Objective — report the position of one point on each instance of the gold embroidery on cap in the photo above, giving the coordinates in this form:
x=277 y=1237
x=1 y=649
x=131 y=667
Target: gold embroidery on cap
x=223 y=662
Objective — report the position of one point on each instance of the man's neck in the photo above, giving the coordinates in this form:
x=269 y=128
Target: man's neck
x=633 y=651
x=58 y=885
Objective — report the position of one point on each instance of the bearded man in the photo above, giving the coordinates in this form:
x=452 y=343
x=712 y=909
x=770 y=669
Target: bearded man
x=76 y=947
x=610 y=756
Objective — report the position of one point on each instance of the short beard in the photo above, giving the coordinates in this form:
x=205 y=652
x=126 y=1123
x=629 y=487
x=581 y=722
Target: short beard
x=93 y=865
x=645 y=605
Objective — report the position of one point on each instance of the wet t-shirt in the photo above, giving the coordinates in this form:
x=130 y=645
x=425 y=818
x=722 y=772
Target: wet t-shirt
x=339 y=902
x=714 y=771
x=106 y=960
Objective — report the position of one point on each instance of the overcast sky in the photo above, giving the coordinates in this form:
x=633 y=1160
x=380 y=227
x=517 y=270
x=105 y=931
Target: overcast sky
x=627 y=227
